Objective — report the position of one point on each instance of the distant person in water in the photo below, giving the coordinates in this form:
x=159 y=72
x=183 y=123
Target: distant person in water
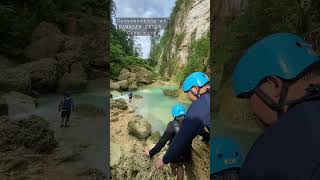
x=197 y=88
x=173 y=127
x=130 y=94
x=65 y=107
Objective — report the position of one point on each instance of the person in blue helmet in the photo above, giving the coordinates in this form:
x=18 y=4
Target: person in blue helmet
x=225 y=159
x=173 y=127
x=280 y=77
x=197 y=88
x=65 y=107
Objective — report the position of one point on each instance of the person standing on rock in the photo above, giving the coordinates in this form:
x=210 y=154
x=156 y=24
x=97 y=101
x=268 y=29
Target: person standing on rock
x=173 y=127
x=130 y=95
x=280 y=76
x=197 y=88
x=65 y=107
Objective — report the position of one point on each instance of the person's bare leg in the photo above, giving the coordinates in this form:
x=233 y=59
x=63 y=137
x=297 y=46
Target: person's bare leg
x=62 y=122
x=173 y=168
x=180 y=172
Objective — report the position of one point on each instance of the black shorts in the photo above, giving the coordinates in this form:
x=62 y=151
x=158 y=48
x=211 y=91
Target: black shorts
x=65 y=114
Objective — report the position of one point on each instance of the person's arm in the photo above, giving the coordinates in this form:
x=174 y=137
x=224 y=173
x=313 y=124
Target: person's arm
x=205 y=136
x=162 y=141
x=190 y=129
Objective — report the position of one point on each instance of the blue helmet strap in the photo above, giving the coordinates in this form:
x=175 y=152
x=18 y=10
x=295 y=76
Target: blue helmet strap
x=276 y=106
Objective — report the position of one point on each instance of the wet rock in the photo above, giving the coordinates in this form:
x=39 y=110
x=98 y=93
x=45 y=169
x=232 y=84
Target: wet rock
x=115 y=154
x=118 y=104
x=19 y=104
x=76 y=81
x=171 y=92
x=15 y=79
x=32 y=133
x=139 y=128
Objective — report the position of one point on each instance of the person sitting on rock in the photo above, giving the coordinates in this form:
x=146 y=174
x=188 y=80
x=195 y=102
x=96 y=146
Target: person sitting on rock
x=197 y=88
x=173 y=127
x=65 y=107
x=130 y=94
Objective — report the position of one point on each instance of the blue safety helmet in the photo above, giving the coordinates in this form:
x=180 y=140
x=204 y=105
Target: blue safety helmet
x=66 y=94
x=283 y=54
x=195 y=79
x=224 y=154
x=178 y=110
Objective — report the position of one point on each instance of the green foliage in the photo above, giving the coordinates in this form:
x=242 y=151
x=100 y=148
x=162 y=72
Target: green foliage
x=179 y=38
x=124 y=53
x=199 y=51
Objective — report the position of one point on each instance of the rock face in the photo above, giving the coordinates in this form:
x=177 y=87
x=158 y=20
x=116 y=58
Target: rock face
x=124 y=74
x=45 y=29
x=18 y=103
x=43 y=74
x=139 y=128
x=171 y=92
x=15 y=79
x=32 y=133
x=45 y=47
x=118 y=104
x=143 y=75
x=115 y=154
x=192 y=22
x=76 y=81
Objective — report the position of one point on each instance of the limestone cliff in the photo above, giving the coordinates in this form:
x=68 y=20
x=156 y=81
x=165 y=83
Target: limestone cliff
x=189 y=24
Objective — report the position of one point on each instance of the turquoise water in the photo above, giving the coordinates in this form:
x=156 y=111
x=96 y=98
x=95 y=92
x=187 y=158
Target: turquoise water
x=155 y=106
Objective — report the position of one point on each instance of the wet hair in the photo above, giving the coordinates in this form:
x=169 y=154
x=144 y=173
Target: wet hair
x=229 y=174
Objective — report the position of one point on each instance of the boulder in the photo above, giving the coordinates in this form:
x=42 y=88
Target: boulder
x=124 y=84
x=139 y=128
x=45 y=47
x=76 y=81
x=19 y=104
x=171 y=92
x=66 y=59
x=115 y=94
x=15 y=79
x=115 y=154
x=114 y=86
x=133 y=86
x=124 y=75
x=43 y=74
x=118 y=104
x=43 y=30
x=143 y=75
x=32 y=133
